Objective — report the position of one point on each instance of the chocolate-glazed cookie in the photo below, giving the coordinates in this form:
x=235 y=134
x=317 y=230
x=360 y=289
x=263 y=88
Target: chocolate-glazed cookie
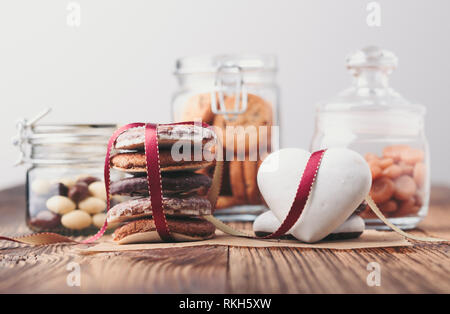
x=167 y=135
x=173 y=206
x=172 y=183
x=144 y=230
x=135 y=162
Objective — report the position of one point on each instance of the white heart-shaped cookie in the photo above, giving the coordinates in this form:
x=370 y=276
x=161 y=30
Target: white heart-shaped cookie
x=267 y=223
x=341 y=184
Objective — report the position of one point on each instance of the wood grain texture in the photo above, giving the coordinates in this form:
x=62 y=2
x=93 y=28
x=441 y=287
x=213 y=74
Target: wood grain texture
x=424 y=268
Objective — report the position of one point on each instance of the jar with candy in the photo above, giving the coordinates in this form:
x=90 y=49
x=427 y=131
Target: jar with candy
x=65 y=191
x=238 y=96
x=373 y=119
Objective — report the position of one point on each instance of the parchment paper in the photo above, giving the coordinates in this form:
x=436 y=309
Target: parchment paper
x=369 y=239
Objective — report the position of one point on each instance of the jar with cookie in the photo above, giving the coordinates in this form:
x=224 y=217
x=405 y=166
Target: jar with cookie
x=65 y=191
x=238 y=95
x=373 y=119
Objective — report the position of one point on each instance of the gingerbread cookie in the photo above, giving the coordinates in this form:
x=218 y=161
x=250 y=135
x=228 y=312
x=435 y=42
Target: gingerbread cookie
x=144 y=230
x=237 y=180
x=225 y=187
x=173 y=206
x=251 y=186
x=226 y=201
x=135 y=162
x=248 y=128
x=134 y=138
x=180 y=183
x=197 y=108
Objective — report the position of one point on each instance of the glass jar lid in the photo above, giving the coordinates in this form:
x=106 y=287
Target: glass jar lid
x=372 y=57
x=64 y=144
x=370 y=68
x=211 y=64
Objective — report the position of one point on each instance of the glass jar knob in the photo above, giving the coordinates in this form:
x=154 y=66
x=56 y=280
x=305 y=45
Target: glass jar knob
x=371 y=67
x=372 y=57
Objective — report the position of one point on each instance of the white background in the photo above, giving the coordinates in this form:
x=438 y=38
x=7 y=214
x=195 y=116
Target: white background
x=117 y=66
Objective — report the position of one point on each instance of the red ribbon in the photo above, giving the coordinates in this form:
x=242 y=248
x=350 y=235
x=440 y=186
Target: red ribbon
x=302 y=195
x=154 y=181
x=106 y=174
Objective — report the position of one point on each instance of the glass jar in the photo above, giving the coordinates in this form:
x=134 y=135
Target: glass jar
x=65 y=191
x=238 y=95
x=373 y=119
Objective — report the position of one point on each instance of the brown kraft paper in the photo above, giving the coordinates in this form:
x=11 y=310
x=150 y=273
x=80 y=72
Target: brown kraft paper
x=369 y=239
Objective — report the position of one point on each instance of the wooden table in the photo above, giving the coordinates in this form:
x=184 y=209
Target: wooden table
x=424 y=268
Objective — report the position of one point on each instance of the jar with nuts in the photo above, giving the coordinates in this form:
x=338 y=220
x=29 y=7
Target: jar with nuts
x=373 y=119
x=65 y=189
x=238 y=96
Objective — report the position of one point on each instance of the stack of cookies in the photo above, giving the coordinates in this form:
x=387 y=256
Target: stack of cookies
x=184 y=191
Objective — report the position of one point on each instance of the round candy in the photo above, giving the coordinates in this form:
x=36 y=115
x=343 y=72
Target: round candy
x=375 y=168
x=393 y=171
x=97 y=189
x=99 y=219
x=82 y=176
x=88 y=180
x=79 y=192
x=36 y=204
x=395 y=151
x=41 y=187
x=388 y=207
x=382 y=190
x=419 y=173
x=405 y=188
x=370 y=156
x=412 y=156
x=386 y=162
x=69 y=182
x=407 y=207
x=59 y=188
x=45 y=220
x=76 y=220
x=418 y=197
x=92 y=205
x=60 y=204
x=406 y=168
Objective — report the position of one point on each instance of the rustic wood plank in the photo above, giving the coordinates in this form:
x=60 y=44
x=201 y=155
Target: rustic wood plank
x=43 y=269
x=423 y=268
x=280 y=270
x=185 y=270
